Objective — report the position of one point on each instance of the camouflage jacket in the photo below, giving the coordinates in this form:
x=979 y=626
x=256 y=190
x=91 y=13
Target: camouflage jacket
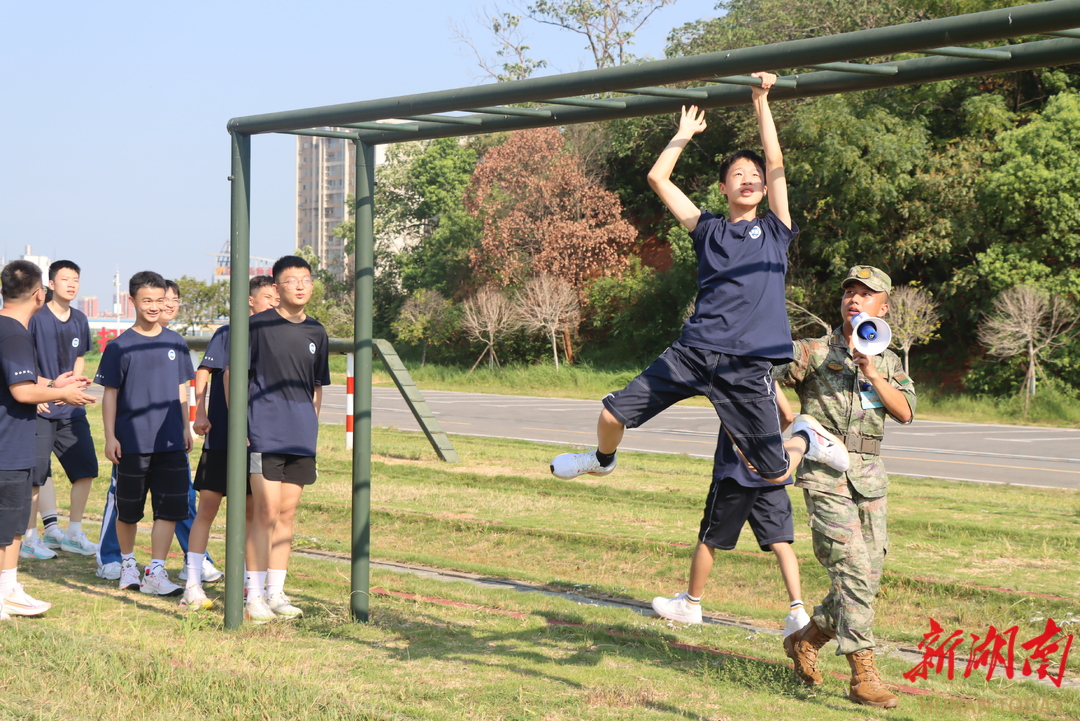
x=827 y=382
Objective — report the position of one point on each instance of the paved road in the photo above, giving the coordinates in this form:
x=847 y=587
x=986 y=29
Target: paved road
x=1019 y=455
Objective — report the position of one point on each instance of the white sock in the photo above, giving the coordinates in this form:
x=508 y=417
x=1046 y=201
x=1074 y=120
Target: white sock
x=275 y=581
x=194 y=569
x=8 y=581
x=254 y=583
x=31 y=534
x=155 y=562
x=74 y=528
x=126 y=556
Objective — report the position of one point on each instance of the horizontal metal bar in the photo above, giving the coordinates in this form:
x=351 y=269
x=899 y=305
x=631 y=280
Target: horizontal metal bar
x=787 y=81
x=1045 y=53
x=1023 y=20
x=973 y=53
x=857 y=68
x=1065 y=34
x=517 y=112
x=588 y=103
x=393 y=127
x=319 y=133
x=452 y=119
x=668 y=93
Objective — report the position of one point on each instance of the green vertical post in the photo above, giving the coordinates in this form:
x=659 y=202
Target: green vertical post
x=239 y=262
x=362 y=348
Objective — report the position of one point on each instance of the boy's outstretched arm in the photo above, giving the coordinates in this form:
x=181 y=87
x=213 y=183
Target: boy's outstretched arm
x=775 y=180
x=691 y=122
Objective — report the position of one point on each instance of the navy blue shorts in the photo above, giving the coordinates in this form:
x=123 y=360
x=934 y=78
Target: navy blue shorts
x=70 y=440
x=730 y=505
x=741 y=390
x=15 y=497
x=165 y=476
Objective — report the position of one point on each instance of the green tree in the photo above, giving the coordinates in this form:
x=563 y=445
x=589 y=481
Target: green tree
x=426 y=317
x=200 y=303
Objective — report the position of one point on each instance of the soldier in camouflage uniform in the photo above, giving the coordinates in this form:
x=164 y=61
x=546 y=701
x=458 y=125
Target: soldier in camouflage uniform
x=850 y=394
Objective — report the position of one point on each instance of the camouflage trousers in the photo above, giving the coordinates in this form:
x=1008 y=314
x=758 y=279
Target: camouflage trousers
x=850 y=541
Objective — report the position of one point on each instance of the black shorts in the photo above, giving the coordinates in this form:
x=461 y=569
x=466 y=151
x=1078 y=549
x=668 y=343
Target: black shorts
x=70 y=440
x=730 y=505
x=212 y=473
x=284 y=467
x=741 y=390
x=15 y=498
x=166 y=476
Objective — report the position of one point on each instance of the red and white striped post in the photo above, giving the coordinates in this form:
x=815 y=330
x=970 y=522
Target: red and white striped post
x=349 y=371
x=191 y=406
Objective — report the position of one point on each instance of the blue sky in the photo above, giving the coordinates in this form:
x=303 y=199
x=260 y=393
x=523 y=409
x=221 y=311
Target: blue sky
x=113 y=116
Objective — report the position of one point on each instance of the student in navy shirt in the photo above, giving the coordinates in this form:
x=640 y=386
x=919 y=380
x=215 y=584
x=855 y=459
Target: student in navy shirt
x=739 y=329
x=145 y=372
x=21 y=390
x=289 y=366
x=211 y=477
x=61 y=337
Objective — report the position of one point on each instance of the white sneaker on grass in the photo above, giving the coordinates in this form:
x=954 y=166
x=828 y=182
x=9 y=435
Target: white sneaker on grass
x=156 y=581
x=52 y=536
x=35 y=549
x=195 y=600
x=280 y=605
x=20 y=603
x=79 y=544
x=3 y=613
x=110 y=571
x=210 y=572
x=572 y=465
x=256 y=610
x=824 y=446
x=795 y=621
x=129 y=575
x=677 y=608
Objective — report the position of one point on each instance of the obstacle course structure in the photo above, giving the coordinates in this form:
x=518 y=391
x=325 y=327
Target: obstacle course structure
x=944 y=51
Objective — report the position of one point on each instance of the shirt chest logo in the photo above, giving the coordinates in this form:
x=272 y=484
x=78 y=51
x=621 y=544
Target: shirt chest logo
x=172 y=355
x=311 y=348
x=74 y=342
x=755 y=232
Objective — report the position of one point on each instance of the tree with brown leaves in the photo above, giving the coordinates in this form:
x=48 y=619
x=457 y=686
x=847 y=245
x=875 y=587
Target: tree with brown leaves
x=913 y=319
x=542 y=216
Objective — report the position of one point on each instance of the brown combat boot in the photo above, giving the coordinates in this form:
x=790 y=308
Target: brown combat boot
x=866 y=685
x=802 y=647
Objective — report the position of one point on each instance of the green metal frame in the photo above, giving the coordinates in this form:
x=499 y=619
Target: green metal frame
x=585 y=97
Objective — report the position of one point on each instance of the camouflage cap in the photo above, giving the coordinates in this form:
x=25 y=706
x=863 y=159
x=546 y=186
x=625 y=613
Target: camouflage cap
x=873 y=278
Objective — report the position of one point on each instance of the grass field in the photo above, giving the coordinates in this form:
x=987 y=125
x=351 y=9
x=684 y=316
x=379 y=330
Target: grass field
x=969 y=556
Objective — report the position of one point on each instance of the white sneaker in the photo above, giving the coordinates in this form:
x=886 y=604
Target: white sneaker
x=129 y=575
x=824 y=446
x=20 y=603
x=35 y=549
x=279 y=604
x=795 y=621
x=156 y=581
x=78 y=543
x=3 y=612
x=572 y=465
x=52 y=536
x=677 y=609
x=110 y=571
x=195 y=600
x=210 y=572
x=256 y=610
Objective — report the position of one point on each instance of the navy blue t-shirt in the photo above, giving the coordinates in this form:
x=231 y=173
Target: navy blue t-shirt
x=287 y=361
x=740 y=307
x=59 y=343
x=147 y=372
x=216 y=360
x=18 y=429
x=727 y=464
